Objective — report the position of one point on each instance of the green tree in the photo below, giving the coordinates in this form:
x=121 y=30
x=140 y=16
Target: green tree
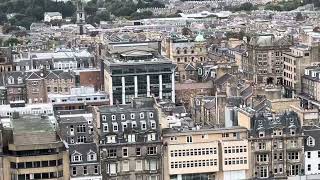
x=11 y=42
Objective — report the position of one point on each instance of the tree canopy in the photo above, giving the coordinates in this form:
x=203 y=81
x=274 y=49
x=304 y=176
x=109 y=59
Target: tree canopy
x=32 y=10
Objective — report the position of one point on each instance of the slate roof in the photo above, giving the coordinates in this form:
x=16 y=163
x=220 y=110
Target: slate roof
x=223 y=79
x=313 y=131
x=265 y=122
x=83 y=149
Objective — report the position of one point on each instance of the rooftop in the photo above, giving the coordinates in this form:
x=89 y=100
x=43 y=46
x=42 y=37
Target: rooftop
x=31 y=124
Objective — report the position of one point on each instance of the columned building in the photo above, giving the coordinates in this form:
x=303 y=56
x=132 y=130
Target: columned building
x=137 y=72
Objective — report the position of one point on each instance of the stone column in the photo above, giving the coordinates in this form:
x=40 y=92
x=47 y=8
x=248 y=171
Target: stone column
x=160 y=86
x=135 y=86
x=173 y=98
x=123 y=90
x=148 y=85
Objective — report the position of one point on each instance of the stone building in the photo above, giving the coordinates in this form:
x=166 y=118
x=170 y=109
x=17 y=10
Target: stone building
x=312 y=152
x=36 y=87
x=33 y=150
x=129 y=140
x=59 y=82
x=277 y=145
x=84 y=157
x=206 y=153
x=6 y=59
x=132 y=71
x=13 y=86
x=186 y=53
x=264 y=63
x=295 y=63
x=310 y=82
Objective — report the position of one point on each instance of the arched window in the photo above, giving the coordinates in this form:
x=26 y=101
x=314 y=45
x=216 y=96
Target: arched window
x=185 y=51
x=178 y=50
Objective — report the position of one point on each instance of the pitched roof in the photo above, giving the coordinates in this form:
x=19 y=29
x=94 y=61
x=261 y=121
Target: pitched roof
x=223 y=79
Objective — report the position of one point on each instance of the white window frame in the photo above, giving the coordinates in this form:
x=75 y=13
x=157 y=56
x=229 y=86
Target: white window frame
x=104 y=127
x=113 y=117
x=151 y=115
x=141 y=115
x=123 y=117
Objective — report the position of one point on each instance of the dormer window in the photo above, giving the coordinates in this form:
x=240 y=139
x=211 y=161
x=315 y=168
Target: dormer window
x=104 y=117
x=113 y=117
x=92 y=156
x=310 y=141
x=10 y=80
x=19 y=80
x=76 y=157
x=123 y=117
x=261 y=134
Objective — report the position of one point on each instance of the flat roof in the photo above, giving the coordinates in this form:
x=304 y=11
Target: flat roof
x=31 y=124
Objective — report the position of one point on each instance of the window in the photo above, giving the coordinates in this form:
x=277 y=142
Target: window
x=142 y=115
x=318 y=154
x=318 y=166
x=143 y=125
x=262 y=157
x=309 y=167
x=263 y=171
x=125 y=152
x=261 y=146
x=151 y=115
x=309 y=154
x=82 y=139
x=115 y=127
x=85 y=170
x=111 y=139
x=138 y=165
x=112 y=169
x=294 y=170
x=123 y=117
x=105 y=127
x=138 y=151
x=113 y=117
x=125 y=166
x=189 y=139
x=153 y=125
x=152 y=137
x=310 y=141
x=104 y=117
x=92 y=156
x=261 y=134
x=293 y=155
x=112 y=153
x=10 y=80
x=96 y=170
x=292 y=132
x=134 y=124
x=132 y=115
x=76 y=158
x=131 y=138
x=152 y=150
x=173 y=138
x=74 y=171
x=225 y=134
x=204 y=136
x=151 y=165
x=81 y=128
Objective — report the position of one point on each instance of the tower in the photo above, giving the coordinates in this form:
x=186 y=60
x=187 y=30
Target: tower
x=80 y=15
